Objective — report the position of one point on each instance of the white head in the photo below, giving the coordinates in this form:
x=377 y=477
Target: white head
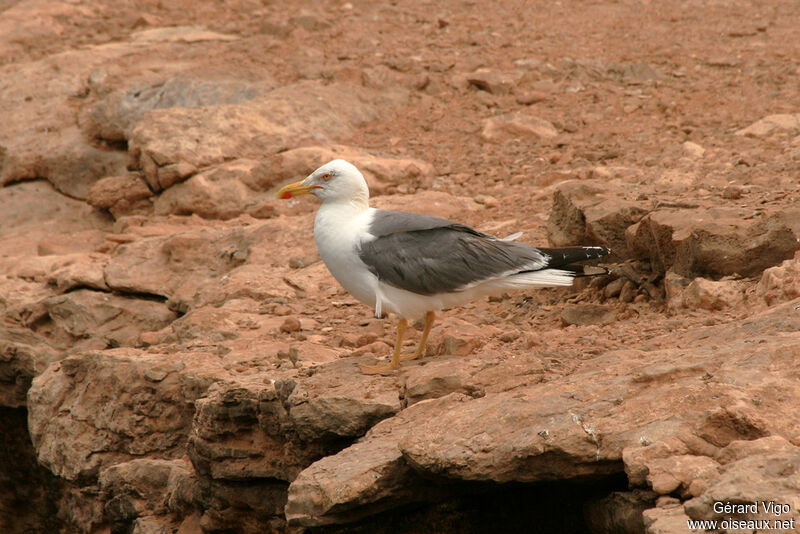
x=336 y=181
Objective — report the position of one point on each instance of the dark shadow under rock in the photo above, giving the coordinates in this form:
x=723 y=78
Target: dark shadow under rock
x=479 y=508
x=28 y=492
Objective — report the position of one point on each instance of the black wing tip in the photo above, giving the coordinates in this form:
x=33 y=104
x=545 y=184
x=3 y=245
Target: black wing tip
x=597 y=251
x=558 y=257
x=602 y=251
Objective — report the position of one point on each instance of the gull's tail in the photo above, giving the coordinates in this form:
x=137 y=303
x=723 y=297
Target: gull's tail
x=560 y=269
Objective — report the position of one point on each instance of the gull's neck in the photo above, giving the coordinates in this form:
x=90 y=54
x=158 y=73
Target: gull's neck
x=354 y=205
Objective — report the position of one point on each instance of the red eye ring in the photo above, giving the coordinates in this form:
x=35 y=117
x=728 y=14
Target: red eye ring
x=325 y=177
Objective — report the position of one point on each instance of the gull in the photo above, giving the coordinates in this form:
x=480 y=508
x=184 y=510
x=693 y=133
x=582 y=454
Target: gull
x=413 y=265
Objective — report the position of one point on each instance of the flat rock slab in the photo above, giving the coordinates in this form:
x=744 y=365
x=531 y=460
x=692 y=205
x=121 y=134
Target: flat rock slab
x=714 y=243
x=173 y=143
x=95 y=409
x=562 y=430
x=244 y=431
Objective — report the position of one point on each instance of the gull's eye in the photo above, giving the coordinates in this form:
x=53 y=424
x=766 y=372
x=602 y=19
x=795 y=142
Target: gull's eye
x=325 y=177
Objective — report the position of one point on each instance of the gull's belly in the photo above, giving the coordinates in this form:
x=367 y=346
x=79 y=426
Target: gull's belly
x=351 y=273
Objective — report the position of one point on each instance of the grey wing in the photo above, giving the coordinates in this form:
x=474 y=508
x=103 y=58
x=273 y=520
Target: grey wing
x=386 y=222
x=445 y=258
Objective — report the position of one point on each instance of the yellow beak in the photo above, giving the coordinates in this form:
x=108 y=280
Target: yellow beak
x=297 y=188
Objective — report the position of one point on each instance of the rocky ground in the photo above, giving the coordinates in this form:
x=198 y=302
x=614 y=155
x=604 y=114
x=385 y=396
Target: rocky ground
x=174 y=357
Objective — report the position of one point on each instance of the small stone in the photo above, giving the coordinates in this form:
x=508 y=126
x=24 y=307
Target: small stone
x=281 y=310
x=460 y=346
x=693 y=150
x=781 y=282
x=263 y=210
x=155 y=374
x=614 y=287
x=654 y=292
x=666 y=501
x=517 y=126
x=627 y=292
x=290 y=324
x=490 y=81
x=112 y=189
x=770 y=123
x=366 y=339
x=586 y=314
x=732 y=192
x=706 y=294
x=378 y=348
x=508 y=337
x=487 y=200
x=664 y=483
x=531 y=97
x=296 y=263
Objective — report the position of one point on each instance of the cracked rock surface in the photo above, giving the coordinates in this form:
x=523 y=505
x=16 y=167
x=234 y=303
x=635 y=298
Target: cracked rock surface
x=176 y=359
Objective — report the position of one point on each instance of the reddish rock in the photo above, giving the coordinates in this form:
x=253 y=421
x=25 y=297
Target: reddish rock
x=381 y=172
x=585 y=314
x=303 y=420
x=440 y=377
x=710 y=295
x=674 y=286
x=220 y=193
x=217 y=420
x=592 y=213
x=771 y=123
x=770 y=477
x=158 y=265
x=368 y=472
x=290 y=324
x=22 y=355
x=115 y=114
x=492 y=81
x=517 y=126
x=531 y=97
x=119 y=194
x=517 y=435
x=781 y=282
x=34 y=212
x=713 y=243
x=92 y=319
x=40 y=136
x=173 y=143
x=77 y=431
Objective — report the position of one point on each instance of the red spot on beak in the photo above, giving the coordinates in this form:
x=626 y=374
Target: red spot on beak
x=286 y=195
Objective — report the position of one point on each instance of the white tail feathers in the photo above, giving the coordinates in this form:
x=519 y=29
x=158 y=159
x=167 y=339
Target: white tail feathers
x=543 y=278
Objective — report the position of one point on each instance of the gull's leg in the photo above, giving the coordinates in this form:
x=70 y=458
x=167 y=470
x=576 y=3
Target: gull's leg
x=395 y=363
x=430 y=317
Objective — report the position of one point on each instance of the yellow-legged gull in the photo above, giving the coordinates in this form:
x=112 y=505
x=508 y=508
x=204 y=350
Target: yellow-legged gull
x=413 y=265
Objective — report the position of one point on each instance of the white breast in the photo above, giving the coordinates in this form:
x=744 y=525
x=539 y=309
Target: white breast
x=338 y=229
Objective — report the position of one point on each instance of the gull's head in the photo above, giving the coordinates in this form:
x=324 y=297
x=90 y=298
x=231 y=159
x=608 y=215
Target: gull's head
x=336 y=181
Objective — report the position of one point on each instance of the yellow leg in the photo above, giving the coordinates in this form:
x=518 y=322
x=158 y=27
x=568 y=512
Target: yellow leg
x=430 y=317
x=395 y=363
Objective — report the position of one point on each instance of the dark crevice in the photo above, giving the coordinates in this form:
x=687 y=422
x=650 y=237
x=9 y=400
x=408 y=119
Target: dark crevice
x=477 y=508
x=124 y=294
x=112 y=144
x=141 y=296
x=29 y=493
x=80 y=287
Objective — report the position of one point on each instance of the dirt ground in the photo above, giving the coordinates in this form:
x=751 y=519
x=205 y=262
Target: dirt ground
x=682 y=109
